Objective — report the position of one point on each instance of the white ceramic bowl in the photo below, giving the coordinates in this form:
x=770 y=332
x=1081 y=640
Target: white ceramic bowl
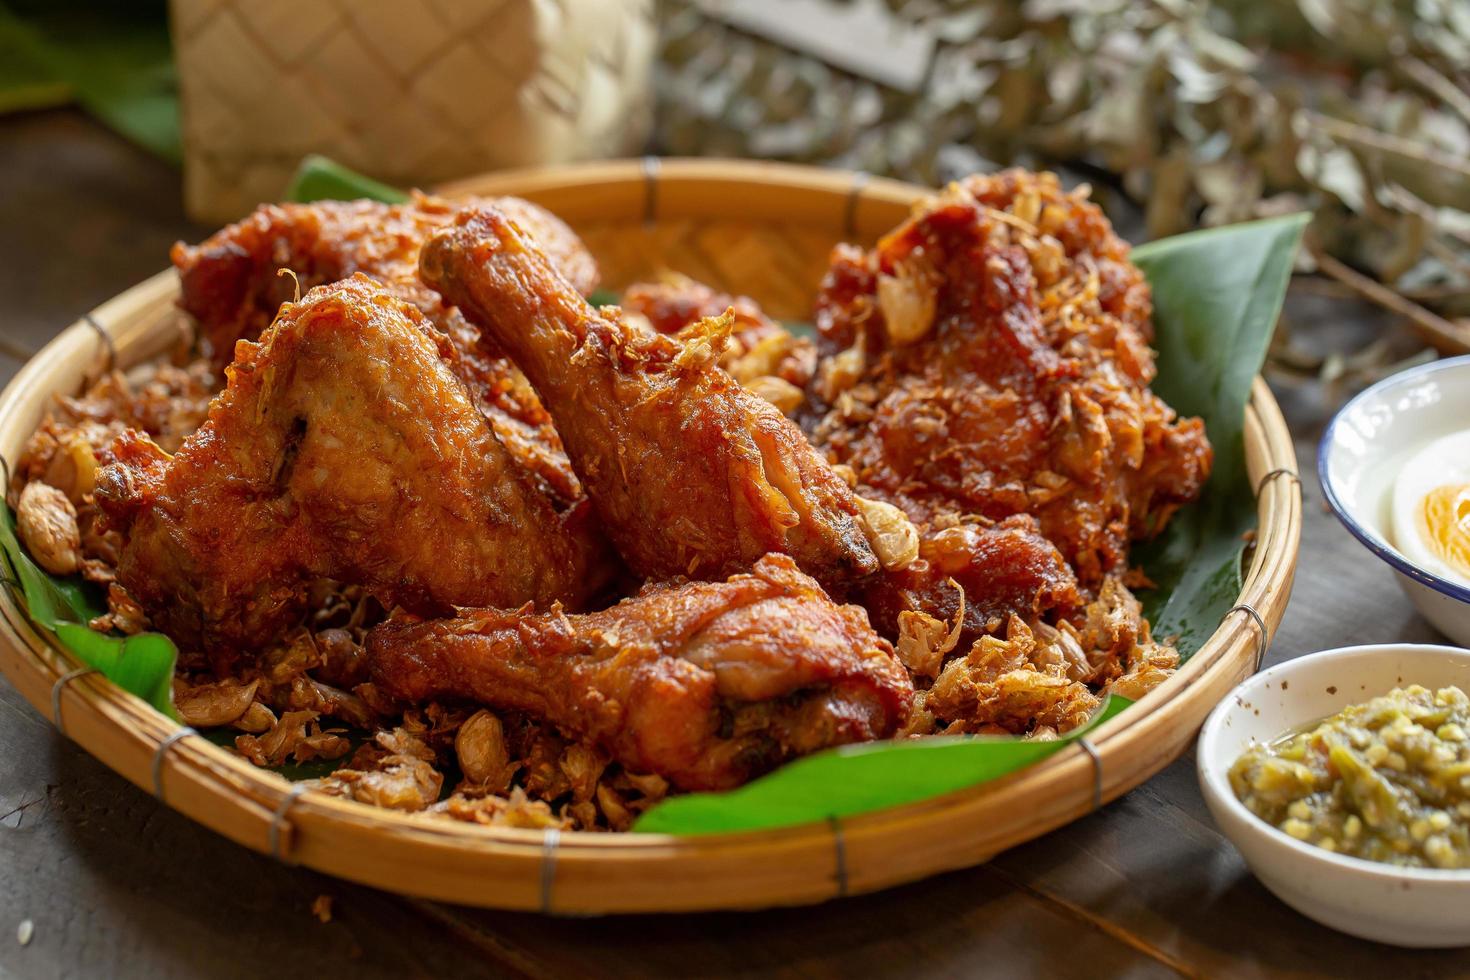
x=1362 y=451
x=1402 y=906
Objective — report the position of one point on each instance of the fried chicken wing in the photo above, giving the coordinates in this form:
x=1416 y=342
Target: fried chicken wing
x=705 y=683
x=229 y=283
x=691 y=473
x=342 y=448
x=990 y=357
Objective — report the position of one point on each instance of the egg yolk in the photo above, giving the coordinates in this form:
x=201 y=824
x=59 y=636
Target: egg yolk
x=1444 y=520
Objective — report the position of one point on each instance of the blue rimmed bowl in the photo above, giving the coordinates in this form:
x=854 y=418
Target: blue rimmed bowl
x=1362 y=451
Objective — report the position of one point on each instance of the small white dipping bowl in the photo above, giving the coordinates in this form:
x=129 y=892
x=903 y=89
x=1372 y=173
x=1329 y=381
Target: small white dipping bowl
x=1362 y=451
x=1401 y=906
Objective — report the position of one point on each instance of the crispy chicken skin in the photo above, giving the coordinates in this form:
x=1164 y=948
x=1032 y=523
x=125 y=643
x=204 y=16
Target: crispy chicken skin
x=759 y=346
x=342 y=448
x=990 y=357
x=673 y=302
x=229 y=283
x=1000 y=570
x=691 y=473
x=705 y=683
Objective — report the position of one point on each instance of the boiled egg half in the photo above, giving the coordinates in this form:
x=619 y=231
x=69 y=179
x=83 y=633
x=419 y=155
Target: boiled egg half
x=1431 y=508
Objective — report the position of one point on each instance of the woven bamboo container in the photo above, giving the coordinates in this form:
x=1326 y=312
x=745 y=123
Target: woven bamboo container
x=411 y=93
x=764 y=230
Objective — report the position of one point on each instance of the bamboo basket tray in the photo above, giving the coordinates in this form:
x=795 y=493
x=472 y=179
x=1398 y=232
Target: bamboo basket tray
x=754 y=228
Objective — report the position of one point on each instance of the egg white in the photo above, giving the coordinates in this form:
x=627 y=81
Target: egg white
x=1444 y=461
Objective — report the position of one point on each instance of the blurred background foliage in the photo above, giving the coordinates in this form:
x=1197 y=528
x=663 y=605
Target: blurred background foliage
x=1180 y=112
x=1197 y=112
x=112 y=58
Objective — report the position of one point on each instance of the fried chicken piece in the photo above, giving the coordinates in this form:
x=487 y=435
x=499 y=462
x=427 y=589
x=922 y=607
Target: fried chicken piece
x=229 y=283
x=691 y=473
x=989 y=357
x=982 y=574
x=707 y=684
x=342 y=448
x=759 y=346
x=675 y=301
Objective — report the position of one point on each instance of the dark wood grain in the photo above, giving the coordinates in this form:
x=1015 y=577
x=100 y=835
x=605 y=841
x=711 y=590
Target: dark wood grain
x=8 y=367
x=116 y=884
x=83 y=216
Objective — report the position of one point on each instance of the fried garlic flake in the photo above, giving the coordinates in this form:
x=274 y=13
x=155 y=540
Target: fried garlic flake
x=893 y=536
x=47 y=524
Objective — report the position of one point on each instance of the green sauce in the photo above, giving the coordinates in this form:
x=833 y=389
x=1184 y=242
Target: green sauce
x=1385 y=781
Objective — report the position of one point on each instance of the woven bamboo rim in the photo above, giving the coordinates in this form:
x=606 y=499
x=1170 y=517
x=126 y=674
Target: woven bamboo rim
x=586 y=873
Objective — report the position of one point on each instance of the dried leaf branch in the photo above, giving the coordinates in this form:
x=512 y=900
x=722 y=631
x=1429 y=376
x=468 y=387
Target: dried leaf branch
x=1203 y=112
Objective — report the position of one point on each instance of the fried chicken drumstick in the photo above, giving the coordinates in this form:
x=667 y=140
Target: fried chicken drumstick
x=343 y=448
x=1002 y=570
x=229 y=283
x=691 y=473
x=705 y=683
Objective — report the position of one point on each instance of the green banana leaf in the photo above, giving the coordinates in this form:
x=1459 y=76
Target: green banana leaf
x=1217 y=294
x=318 y=178
x=141 y=664
x=856 y=779
x=25 y=80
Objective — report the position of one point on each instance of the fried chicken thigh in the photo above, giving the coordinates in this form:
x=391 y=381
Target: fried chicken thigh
x=229 y=283
x=342 y=448
x=691 y=473
x=990 y=357
x=705 y=683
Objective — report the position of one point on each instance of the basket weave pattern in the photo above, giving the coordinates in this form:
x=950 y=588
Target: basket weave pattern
x=412 y=93
x=776 y=264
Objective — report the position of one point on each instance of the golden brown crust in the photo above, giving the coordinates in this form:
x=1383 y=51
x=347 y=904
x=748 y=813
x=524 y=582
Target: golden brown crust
x=691 y=473
x=343 y=448
x=759 y=347
x=981 y=573
x=1000 y=338
x=706 y=684
x=229 y=283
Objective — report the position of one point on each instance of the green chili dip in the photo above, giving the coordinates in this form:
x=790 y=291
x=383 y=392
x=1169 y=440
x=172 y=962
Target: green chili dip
x=1386 y=781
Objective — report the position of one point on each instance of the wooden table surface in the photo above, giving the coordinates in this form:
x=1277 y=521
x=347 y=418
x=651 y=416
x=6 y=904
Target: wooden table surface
x=116 y=884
